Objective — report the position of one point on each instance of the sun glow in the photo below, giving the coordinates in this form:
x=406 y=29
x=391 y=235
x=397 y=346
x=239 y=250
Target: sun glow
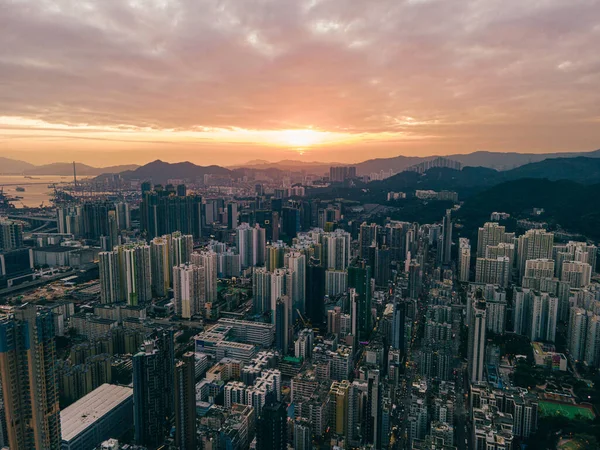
x=302 y=138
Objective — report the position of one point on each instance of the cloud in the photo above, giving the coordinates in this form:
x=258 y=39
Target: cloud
x=350 y=66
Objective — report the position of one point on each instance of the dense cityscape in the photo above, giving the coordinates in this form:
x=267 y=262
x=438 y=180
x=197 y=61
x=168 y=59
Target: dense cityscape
x=276 y=309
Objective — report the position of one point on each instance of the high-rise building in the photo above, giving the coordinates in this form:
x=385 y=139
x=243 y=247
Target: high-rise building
x=578 y=324
x=534 y=244
x=341 y=173
x=11 y=234
x=359 y=279
x=161 y=267
x=577 y=274
x=522 y=299
x=29 y=380
x=181 y=247
x=114 y=236
x=123 y=216
x=575 y=251
x=232 y=215
x=465 y=259
x=592 y=347
x=281 y=315
x=188 y=290
x=415 y=279
x=476 y=344
x=272 y=427
x=302 y=435
x=383 y=262
x=95 y=219
x=208 y=261
x=544 y=317
x=491 y=234
x=447 y=238
x=162 y=212
x=251 y=245
x=398 y=325
x=367 y=237
x=336 y=282
x=153 y=389
x=493 y=271
x=185 y=402
x=336 y=249
x=315 y=292
x=135 y=275
x=338 y=395
x=261 y=290
x=296 y=290
x=110 y=283
x=535 y=271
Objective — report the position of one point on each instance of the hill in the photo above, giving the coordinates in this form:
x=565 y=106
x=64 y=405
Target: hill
x=566 y=203
x=579 y=169
x=66 y=169
x=512 y=160
x=13 y=166
x=159 y=171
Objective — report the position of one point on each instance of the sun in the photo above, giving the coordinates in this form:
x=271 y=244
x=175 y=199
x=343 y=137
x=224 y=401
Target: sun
x=302 y=138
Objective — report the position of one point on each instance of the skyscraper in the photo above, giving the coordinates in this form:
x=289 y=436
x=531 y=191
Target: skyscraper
x=281 y=316
x=161 y=268
x=188 y=290
x=29 y=379
x=493 y=271
x=476 y=347
x=465 y=259
x=251 y=245
x=491 y=234
x=135 y=276
x=544 y=316
x=271 y=430
x=163 y=212
x=359 y=279
x=232 y=215
x=207 y=260
x=534 y=244
x=296 y=290
x=185 y=403
x=261 y=290
x=153 y=389
x=110 y=283
x=11 y=235
x=398 y=325
x=113 y=230
x=383 y=261
x=123 y=216
x=447 y=238
x=181 y=246
x=315 y=292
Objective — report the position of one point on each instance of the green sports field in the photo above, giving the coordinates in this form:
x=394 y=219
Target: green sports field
x=570 y=411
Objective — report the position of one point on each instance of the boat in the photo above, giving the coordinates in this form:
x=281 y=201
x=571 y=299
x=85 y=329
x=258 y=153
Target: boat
x=20 y=189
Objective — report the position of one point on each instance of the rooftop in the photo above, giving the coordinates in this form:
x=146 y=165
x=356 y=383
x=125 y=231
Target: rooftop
x=87 y=410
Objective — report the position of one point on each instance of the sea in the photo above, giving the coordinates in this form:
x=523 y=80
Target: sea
x=36 y=191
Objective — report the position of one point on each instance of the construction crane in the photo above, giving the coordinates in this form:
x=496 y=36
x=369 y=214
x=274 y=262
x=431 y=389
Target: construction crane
x=306 y=323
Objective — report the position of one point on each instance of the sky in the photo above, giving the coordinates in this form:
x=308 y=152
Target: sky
x=228 y=81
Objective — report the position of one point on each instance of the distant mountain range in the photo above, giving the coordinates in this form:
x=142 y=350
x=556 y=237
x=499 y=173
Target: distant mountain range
x=159 y=171
x=503 y=162
x=492 y=160
x=15 y=167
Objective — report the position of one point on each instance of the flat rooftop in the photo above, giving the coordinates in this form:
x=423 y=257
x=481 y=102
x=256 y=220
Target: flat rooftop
x=82 y=414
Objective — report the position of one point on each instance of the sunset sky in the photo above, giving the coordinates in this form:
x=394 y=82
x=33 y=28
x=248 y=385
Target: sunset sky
x=109 y=82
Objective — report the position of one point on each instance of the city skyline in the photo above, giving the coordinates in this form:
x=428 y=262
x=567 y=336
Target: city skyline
x=228 y=82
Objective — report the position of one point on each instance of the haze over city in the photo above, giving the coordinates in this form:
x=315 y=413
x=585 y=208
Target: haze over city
x=224 y=82
x=299 y=224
